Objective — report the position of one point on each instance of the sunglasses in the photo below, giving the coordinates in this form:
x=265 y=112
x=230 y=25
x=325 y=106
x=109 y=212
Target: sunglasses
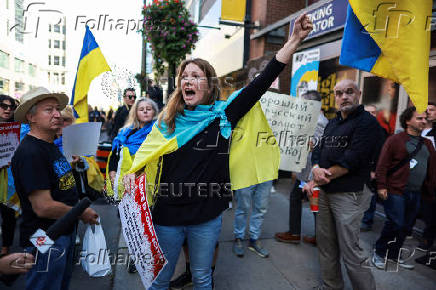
x=6 y=106
x=131 y=97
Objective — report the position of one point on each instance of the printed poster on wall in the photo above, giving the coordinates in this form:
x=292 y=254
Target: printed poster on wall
x=9 y=141
x=293 y=122
x=305 y=66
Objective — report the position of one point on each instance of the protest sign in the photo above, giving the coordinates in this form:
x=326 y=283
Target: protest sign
x=305 y=66
x=9 y=141
x=80 y=139
x=293 y=122
x=139 y=233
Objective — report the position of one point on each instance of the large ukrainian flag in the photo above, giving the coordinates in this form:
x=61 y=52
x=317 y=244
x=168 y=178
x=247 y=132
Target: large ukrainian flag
x=390 y=39
x=91 y=64
x=250 y=163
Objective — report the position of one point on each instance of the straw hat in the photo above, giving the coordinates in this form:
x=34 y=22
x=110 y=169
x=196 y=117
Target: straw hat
x=34 y=96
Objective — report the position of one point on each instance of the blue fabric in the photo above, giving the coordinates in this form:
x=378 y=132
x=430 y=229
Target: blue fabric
x=52 y=270
x=358 y=50
x=25 y=128
x=11 y=185
x=134 y=141
x=58 y=143
x=201 y=238
x=258 y=196
x=401 y=211
x=193 y=122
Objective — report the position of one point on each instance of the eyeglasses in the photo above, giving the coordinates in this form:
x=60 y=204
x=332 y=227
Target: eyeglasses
x=6 y=106
x=131 y=97
x=349 y=92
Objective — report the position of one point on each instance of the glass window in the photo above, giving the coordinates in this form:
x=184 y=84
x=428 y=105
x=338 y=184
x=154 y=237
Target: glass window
x=19 y=86
x=49 y=28
x=49 y=60
x=56 y=44
x=63 y=79
x=4 y=59
x=63 y=45
x=64 y=29
x=32 y=70
x=56 y=78
x=19 y=65
x=48 y=77
x=49 y=43
x=4 y=86
x=56 y=60
x=56 y=28
x=63 y=61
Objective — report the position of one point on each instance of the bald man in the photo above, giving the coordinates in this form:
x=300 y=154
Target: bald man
x=340 y=173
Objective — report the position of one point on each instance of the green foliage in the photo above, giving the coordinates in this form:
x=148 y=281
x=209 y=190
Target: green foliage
x=170 y=31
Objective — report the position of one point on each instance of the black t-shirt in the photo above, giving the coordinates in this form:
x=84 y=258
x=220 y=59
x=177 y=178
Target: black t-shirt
x=39 y=165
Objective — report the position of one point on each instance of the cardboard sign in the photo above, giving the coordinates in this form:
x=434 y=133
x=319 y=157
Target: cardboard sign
x=139 y=233
x=9 y=141
x=293 y=122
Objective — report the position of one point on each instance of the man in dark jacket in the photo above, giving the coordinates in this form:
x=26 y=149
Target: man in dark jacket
x=406 y=170
x=341 y=172
x=129 y=97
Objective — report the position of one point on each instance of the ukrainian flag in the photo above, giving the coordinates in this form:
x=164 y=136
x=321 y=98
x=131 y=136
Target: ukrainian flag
x=91 y=64
x=250 y=162
x=390 y=39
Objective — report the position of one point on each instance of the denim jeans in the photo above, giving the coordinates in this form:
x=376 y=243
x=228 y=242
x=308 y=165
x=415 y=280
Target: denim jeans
x=201 y=238
x=368 y=216
x=52 y=270
x=401 y=211
x=255 y=196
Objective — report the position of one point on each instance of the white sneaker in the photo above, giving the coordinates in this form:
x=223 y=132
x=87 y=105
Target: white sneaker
x=77 y=240
x=378 y=262
x=273 y=189
x=403 y=264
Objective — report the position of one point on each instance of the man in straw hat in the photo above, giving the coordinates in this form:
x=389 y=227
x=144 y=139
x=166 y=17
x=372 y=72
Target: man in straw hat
x=46 y=188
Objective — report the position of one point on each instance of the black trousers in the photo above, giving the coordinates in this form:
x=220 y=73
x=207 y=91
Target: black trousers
x=295 y=209
x=8 y=225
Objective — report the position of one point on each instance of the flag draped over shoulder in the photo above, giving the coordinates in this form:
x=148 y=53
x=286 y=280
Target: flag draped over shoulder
x=390 y=39
x=91 y=64
x=250 y=163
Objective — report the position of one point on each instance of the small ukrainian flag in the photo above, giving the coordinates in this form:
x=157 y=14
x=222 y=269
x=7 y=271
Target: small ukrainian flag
x=91 y=64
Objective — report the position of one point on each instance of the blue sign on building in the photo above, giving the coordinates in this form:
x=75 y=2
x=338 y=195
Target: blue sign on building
x=328 y=17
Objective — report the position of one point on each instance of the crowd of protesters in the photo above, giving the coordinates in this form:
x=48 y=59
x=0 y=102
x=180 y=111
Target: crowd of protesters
x=370 y=164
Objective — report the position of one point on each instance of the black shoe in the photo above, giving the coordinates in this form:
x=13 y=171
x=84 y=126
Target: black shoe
x=132 y=268
x=185 y=279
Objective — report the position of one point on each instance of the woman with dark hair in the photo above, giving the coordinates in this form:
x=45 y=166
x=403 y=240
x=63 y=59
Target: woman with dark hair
x=7 y=108
x=194 y=165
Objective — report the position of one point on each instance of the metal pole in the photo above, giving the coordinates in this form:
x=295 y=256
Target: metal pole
x=144 y=62
x=247 y=23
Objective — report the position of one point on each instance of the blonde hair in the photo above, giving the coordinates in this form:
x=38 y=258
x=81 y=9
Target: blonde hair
x=132 y=121
x=176 y=104
x=67 y=112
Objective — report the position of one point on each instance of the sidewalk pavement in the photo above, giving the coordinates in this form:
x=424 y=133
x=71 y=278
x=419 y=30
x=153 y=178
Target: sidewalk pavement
x=288 y=266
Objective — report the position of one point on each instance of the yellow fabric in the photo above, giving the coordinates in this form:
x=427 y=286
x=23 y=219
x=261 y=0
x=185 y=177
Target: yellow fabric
x=95 y=178
x=3 y=185
x=401 y=31
x=147 y=159
x=233 y=10
x=252 y=159
x=90 y=66
x=124 y=164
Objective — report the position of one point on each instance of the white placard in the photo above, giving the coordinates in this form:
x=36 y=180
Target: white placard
x=80 y=139
x=9 y=141
x=293 y=122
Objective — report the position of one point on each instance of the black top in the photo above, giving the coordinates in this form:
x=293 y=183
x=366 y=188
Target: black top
x=119 y=120
x=195 y=181
x=349 y=143
x=39 y=165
